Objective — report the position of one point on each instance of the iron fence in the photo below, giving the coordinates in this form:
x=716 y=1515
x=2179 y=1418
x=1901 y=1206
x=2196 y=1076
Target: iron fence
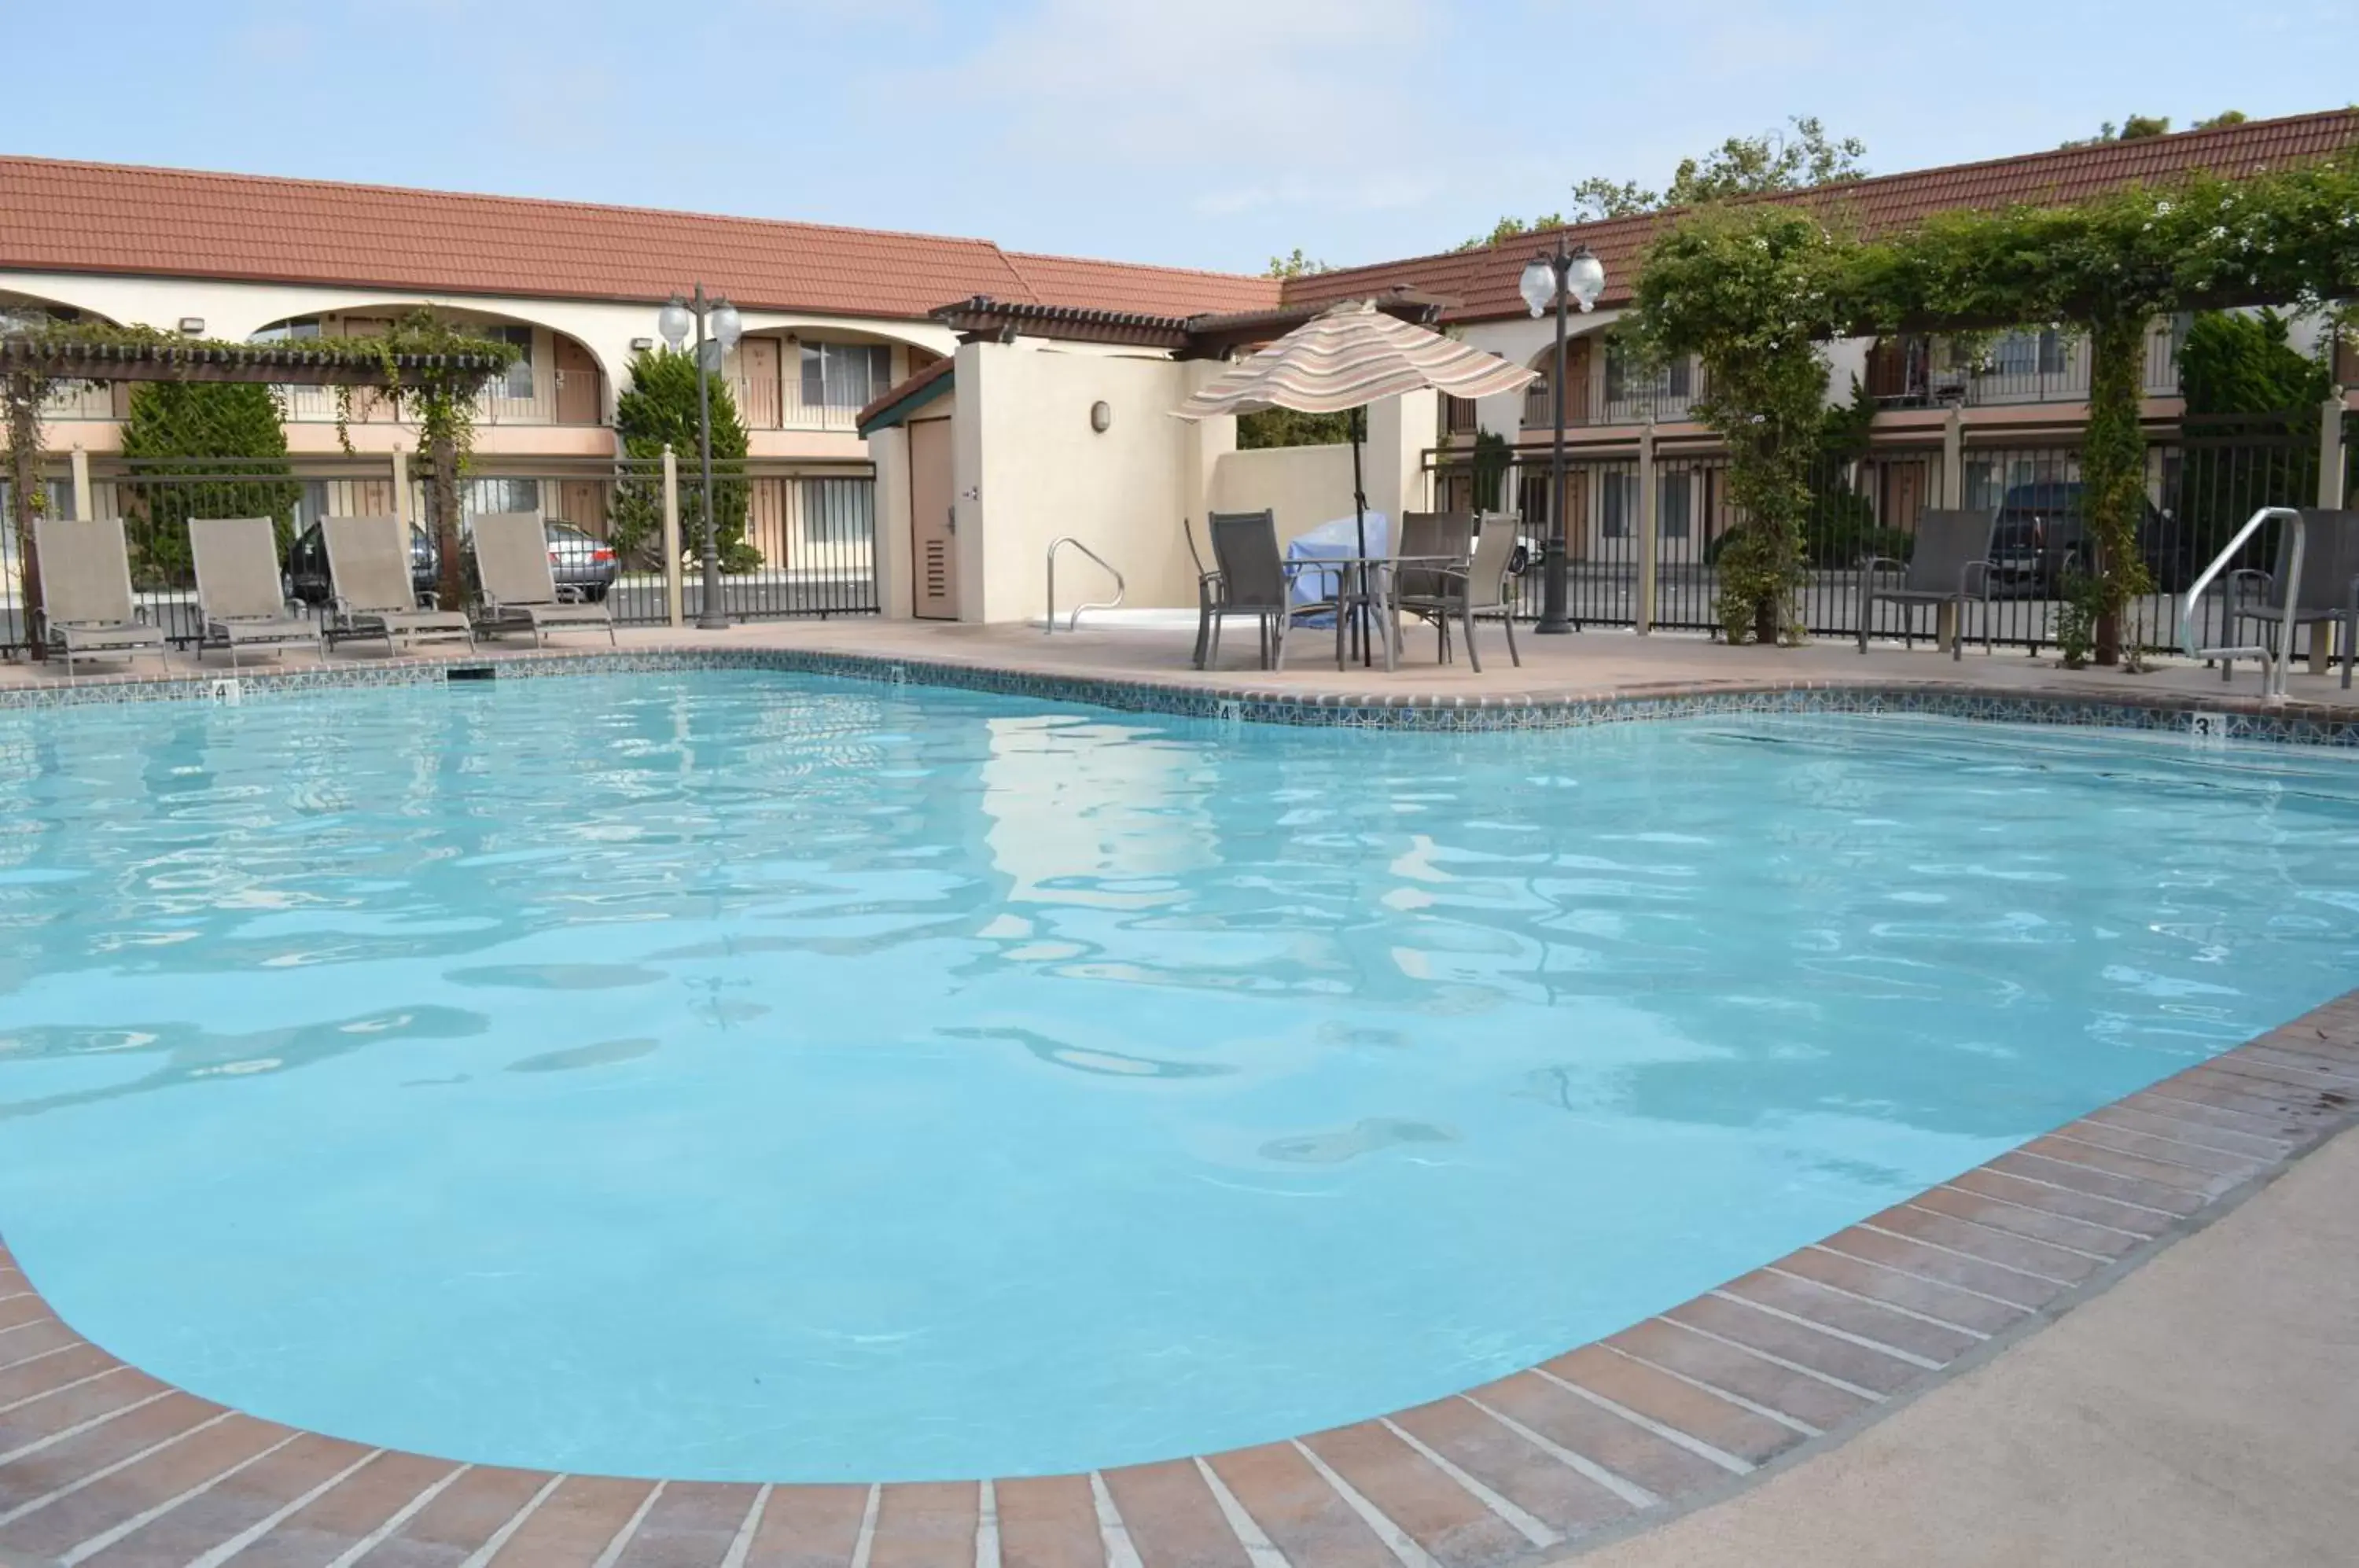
x=806 y=546
x=2201 y=483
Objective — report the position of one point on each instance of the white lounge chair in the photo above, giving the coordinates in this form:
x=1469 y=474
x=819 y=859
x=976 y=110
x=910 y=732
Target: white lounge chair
x=519 y=590
x=87 y=610
x=368 y=573
x=241 y=594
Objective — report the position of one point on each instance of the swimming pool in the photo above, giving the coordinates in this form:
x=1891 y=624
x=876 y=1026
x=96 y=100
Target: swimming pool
x=743 y=1076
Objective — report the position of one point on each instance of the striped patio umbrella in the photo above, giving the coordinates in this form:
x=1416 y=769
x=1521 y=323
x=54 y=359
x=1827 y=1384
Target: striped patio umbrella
x=1347 y=357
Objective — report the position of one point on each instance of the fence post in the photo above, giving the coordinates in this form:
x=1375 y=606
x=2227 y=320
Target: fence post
x=1649 y=530
x=401 y=506
x=1946 y=629
x=671 y=536
x=85 y=505
x=2330 y=496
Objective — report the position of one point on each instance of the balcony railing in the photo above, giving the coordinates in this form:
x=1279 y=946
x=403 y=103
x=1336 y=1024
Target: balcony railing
x=1662 y=398
x=551 y=393
x=2044 y=367
x=796 y=415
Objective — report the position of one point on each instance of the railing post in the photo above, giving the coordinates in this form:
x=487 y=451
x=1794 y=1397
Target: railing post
x=401 y=506
x=671 y=536
x=85 y=503
x=1946 y=629
x=1649 y=530
x=2330 y=497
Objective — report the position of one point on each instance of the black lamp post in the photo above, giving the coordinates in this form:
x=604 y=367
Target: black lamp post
x=674 y=321
x=1559 y=277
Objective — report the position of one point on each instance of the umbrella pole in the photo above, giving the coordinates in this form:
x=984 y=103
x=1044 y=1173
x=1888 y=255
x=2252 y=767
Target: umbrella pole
x=1360 y=517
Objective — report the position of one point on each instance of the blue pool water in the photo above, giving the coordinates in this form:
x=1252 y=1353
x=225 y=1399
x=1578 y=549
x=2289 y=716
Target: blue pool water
x=741 y=1076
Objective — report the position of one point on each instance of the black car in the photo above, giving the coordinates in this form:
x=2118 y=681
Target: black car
x=307 y=566
x=2041 y=540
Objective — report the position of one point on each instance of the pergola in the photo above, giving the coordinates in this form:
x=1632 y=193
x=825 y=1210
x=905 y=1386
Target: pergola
x=32 y=362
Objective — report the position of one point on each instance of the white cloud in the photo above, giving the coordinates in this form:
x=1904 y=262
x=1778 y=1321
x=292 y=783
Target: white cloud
x=1238 y=103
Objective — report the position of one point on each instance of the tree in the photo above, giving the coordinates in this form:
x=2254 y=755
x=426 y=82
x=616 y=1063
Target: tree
x=185 y=440
x=2246 y=380
x=1747 y=290
x=1291 y=427
x=1296 y=265
x=2139 y=126
x=2223 y=118
x=1740 y=165
x=1772 y=161
x=658 y=410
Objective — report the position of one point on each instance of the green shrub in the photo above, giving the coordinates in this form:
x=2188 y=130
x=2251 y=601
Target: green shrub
x=660 y=410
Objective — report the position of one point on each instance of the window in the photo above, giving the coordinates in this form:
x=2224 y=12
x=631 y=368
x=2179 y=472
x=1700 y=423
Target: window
x=501 y=495
x=518 y=383
x=1617 y=510
x=845 y=375
x=1674 y=497
x=289 y=330
x=839 y=511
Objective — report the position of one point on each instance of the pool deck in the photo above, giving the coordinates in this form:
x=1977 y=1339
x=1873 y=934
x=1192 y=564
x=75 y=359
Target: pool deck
x=2128 y=1340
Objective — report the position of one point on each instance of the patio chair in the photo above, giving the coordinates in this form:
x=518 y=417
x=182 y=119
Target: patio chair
x=241 y=594
x=1253 y=580
x=1950 y=565
x=87 y=610
x=1208 y=594
x=2329 y=592
x=512 y=564
x=1477 y=589
x=1434 y=537
x=371 y=593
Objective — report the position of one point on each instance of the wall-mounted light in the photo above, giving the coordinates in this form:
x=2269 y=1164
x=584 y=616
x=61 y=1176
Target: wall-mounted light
x=643 y=345
x=1100 y=416
x=193 y=326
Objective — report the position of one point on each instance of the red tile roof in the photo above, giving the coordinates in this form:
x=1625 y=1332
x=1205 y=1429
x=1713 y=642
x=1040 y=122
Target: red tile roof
x=1483 y=281
x=91 y=217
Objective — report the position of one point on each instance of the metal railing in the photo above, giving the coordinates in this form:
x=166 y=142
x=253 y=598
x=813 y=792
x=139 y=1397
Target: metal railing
x=2274 y=661
x=1120 y=587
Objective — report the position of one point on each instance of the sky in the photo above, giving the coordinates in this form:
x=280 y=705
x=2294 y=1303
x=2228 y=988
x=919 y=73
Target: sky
x=1200 y=133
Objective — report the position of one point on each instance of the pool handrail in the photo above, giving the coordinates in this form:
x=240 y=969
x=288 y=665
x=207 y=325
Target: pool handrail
x=1048 y=622
x=2273 y=661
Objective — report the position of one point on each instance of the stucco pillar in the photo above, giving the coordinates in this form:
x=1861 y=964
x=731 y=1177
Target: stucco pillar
x=1399 y=430
x=2330 y=459
x=84 y=504
x=889 y=450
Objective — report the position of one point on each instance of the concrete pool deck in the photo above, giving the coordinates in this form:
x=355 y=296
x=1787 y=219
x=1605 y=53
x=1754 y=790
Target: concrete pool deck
x=2127 y=1340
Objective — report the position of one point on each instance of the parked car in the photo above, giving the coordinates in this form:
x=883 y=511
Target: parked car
x=307 y=566
x=2041 y=540
x=576 y=560
x=579 y=562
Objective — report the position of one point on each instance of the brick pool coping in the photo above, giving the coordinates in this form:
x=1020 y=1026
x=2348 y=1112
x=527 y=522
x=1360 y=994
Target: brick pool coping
x=102 y=1464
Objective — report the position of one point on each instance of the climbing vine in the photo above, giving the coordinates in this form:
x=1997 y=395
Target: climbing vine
x=1749 y=290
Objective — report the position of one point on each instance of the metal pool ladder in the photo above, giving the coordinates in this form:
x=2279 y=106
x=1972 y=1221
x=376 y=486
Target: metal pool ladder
x=2273 y=661
x=1120 y=587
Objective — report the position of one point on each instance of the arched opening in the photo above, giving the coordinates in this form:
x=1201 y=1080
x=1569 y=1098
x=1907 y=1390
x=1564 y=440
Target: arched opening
x=82 y=400
x=555 y=379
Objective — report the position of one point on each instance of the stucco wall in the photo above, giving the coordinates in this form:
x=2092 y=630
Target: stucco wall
x=1039 y=472
x=1304 y=485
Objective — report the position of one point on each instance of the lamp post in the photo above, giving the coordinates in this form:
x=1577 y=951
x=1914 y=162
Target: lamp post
x=674 y=321
x=1559 y=277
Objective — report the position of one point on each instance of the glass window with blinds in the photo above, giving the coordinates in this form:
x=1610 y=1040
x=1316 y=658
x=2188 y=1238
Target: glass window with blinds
x=845 y=375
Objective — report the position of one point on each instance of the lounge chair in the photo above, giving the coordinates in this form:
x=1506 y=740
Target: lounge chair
x=519 y=590
x=2329 y=593
x=87 y=610
x=1950 y=565
x=371 y=593
x=1477 y=589
x=241 y=595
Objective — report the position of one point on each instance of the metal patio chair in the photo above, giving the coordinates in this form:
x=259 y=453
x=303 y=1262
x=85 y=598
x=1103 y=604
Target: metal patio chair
x=1474 y=590
x=2328 y=595
x=87 y=608
x=1951 y=564
x=368 y=568
x=1254 y=579
x=241 y=590
x=519 y=589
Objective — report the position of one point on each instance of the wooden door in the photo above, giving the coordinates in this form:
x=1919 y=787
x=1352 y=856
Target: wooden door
x=933 y=525
x=1903 y=494
x=758 y=383
x=1576 y=383
x=579 y=399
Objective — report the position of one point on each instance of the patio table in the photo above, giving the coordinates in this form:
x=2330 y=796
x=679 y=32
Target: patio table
x=1363 y=589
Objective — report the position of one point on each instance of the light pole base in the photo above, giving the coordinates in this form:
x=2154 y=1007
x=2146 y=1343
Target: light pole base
x=712 y=623
x=1553 y=626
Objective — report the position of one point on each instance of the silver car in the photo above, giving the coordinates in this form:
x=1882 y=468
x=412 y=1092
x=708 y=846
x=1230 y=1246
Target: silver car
x=579 y=562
